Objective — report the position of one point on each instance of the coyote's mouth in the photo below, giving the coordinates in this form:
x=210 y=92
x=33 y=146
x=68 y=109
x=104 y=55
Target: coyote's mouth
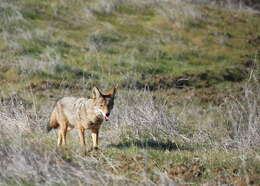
x=101 y=113
x=106 y=118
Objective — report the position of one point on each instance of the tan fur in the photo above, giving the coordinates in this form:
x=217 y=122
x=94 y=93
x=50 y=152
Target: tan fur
x=82 y=114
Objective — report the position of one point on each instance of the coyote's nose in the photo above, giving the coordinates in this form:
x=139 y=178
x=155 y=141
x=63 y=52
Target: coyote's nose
x=107 y=116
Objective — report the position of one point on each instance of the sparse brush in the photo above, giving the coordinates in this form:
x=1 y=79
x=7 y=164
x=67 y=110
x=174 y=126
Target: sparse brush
x=138 y=116
x=179 y=12
x=17 y=116
x=29 y=65
x=244 y=114
x=9 y=13
x=103 y=40
x=26 y=157
x=26 y=160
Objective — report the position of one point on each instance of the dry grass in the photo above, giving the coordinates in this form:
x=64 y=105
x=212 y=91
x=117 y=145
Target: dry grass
x=28 y=156
x=25 y=158
x=140 y=120
x=137 y=112
x=244 y=115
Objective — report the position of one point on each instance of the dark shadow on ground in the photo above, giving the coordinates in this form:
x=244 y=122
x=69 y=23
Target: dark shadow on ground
x=150 y=144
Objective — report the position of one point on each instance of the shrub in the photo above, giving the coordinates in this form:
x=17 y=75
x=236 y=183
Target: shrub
x=244 y=115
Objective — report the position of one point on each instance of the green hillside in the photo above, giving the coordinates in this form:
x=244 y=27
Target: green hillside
x=187 y=107
x=130 y=43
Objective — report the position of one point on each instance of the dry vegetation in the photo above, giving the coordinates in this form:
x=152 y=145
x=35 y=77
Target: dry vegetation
x=187 y=110
x=146 y=142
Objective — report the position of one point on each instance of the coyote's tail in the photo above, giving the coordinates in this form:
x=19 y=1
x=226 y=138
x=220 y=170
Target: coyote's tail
x=53 y=122
x=48 y=128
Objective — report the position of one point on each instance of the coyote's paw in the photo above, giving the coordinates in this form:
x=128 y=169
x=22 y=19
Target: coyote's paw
x=93 y=149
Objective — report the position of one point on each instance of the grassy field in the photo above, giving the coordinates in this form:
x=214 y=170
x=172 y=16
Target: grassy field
x=187 y=109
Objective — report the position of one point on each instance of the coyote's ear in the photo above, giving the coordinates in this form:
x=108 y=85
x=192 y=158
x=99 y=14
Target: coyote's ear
x=110 y=93
x=114 y=91
x=95 y=92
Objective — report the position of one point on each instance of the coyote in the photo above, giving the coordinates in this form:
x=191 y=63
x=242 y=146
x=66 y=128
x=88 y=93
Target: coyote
x=82 y=114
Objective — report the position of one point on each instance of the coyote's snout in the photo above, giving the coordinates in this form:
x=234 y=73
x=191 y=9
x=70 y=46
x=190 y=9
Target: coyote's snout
x=82 y=114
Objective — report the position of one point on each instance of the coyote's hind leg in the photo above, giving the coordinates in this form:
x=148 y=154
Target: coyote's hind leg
x=62 y=132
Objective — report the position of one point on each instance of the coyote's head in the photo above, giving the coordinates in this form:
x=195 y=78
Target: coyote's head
x=104 y=102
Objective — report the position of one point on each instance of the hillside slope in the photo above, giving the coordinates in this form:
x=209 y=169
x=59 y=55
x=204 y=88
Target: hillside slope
x=130 y=43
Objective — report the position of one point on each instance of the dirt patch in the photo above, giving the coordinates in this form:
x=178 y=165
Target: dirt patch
x=187 y=173
x=204 y=79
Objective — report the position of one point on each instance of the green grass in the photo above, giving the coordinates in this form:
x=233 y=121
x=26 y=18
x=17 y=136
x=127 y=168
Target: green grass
x=129 y=37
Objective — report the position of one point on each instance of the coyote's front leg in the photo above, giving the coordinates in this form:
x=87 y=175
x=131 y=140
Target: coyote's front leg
x=94 y=135
x=82 y=139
